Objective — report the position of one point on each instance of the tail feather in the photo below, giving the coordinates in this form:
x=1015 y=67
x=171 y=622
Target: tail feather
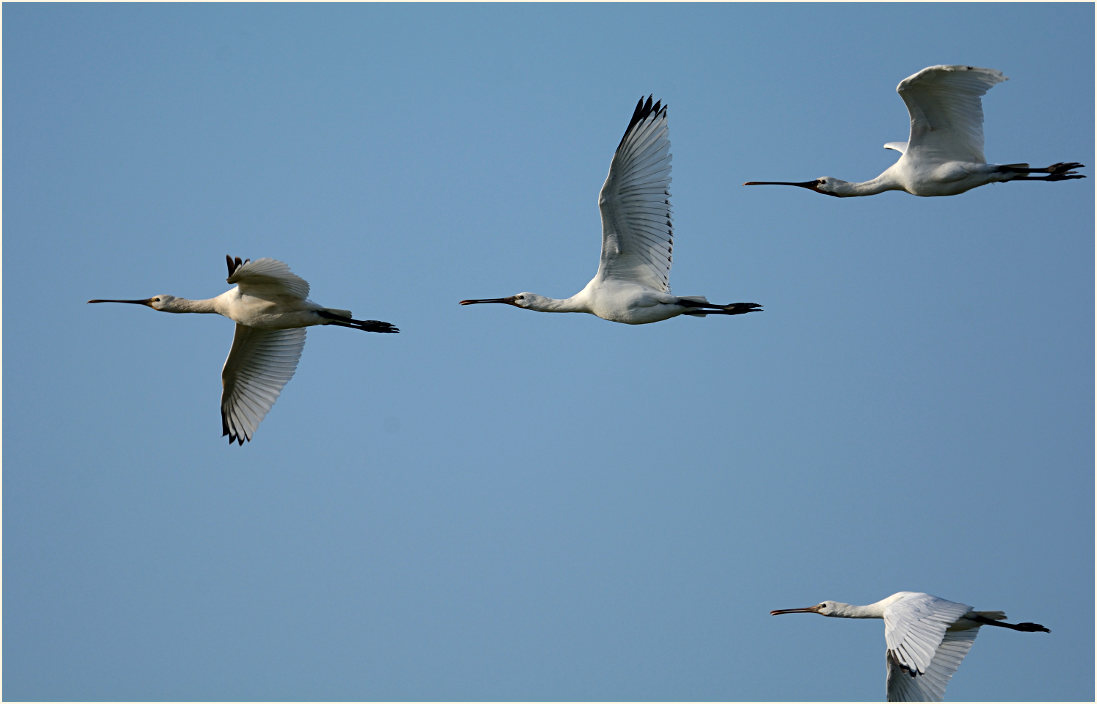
x=992 y=615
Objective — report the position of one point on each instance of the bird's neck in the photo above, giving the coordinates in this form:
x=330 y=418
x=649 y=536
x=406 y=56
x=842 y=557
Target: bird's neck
x=560 y=305
x=186 y=305
x=866 y=188
x=854 y=611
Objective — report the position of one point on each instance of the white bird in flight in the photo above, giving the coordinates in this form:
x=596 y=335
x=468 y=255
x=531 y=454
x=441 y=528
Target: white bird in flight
x=926 y=636
x=944 y=154
x=631 y=285
x=271 y=309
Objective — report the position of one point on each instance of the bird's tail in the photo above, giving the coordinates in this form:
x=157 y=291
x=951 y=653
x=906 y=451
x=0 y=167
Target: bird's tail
x=342 y=319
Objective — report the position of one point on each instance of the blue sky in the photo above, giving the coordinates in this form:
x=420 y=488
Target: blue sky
x=498 y=504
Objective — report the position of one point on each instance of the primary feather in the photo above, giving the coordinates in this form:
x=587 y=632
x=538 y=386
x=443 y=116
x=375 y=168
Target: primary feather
x=946 y=111
x=637 y=236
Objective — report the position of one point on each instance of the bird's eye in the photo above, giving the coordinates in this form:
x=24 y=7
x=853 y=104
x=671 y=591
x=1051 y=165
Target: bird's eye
x=519 y=298
x=156 y=300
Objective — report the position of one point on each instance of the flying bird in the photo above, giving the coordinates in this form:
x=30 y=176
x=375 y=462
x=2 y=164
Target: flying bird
x=271 y=309
x=926 y=636
x=632 y=282
x=944 y=154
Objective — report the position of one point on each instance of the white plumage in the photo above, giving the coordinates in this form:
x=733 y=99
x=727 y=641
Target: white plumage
x=943 y=155
x=927 y=637
x=271 y=309
x=632 y=282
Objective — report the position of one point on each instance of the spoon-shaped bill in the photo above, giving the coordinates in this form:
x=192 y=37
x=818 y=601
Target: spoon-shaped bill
x=801 y=184
x=508 y=299
x=141 y=302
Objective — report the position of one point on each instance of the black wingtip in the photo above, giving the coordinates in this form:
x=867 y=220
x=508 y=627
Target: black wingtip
x=234 y=438
x=235 y=263
x=644 y=109
x=225 y=431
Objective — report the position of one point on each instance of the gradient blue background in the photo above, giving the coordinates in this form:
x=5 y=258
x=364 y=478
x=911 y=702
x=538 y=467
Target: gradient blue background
x=497 y=504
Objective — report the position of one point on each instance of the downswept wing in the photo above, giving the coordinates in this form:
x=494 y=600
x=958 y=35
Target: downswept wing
x=930 y=687
x=259 y=364
x=266 y=278
x=946 y=111
x=921 y=653
x=637 y=237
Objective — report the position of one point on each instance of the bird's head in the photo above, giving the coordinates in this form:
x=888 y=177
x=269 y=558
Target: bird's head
x=826 y=608
x=518 y=300
x=162 y=302
x=827 y=185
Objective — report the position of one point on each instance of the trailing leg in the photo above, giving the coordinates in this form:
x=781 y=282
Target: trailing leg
x=702 y=308
x=1062 y=171
x=366 y=325
x=1027 y=626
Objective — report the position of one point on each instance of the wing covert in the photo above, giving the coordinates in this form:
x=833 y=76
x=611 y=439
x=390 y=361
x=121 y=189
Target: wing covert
x=946 y=111
x=267 y=277
x=259 y=364
x=915 y=626
x=902 y=686
x=637 y=235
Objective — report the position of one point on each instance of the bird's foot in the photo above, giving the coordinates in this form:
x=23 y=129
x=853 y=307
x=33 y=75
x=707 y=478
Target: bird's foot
x=1031 y=627
x=377 y=326
x=739 y=308
x=1064 y=167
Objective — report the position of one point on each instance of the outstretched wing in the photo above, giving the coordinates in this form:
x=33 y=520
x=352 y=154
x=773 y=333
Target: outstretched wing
x=635 y=203
x=259 y=364
x=922 y=654
x=266 y=278
x=930 y=687
x=946 y=111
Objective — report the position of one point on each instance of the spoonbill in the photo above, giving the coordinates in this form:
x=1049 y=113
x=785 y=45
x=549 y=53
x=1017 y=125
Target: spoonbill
x=271 y=309
x=944 y=154
x=631 y=285
x=926 y=636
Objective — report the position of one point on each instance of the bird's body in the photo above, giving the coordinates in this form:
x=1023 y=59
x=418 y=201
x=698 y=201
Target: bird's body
x=927 y=637
x=632 y=282
x=271 y=309
x=618 y=301
x=944 y=154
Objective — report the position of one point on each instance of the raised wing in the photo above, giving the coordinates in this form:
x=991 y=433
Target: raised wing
x=266 y=278
x=258 y=366
x=946 y=111
x=921 y=653
x=635 y=203
x=902 y=686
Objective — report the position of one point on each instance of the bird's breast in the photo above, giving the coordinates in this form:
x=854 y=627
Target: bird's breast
x=633 y=305
x=269 y=314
